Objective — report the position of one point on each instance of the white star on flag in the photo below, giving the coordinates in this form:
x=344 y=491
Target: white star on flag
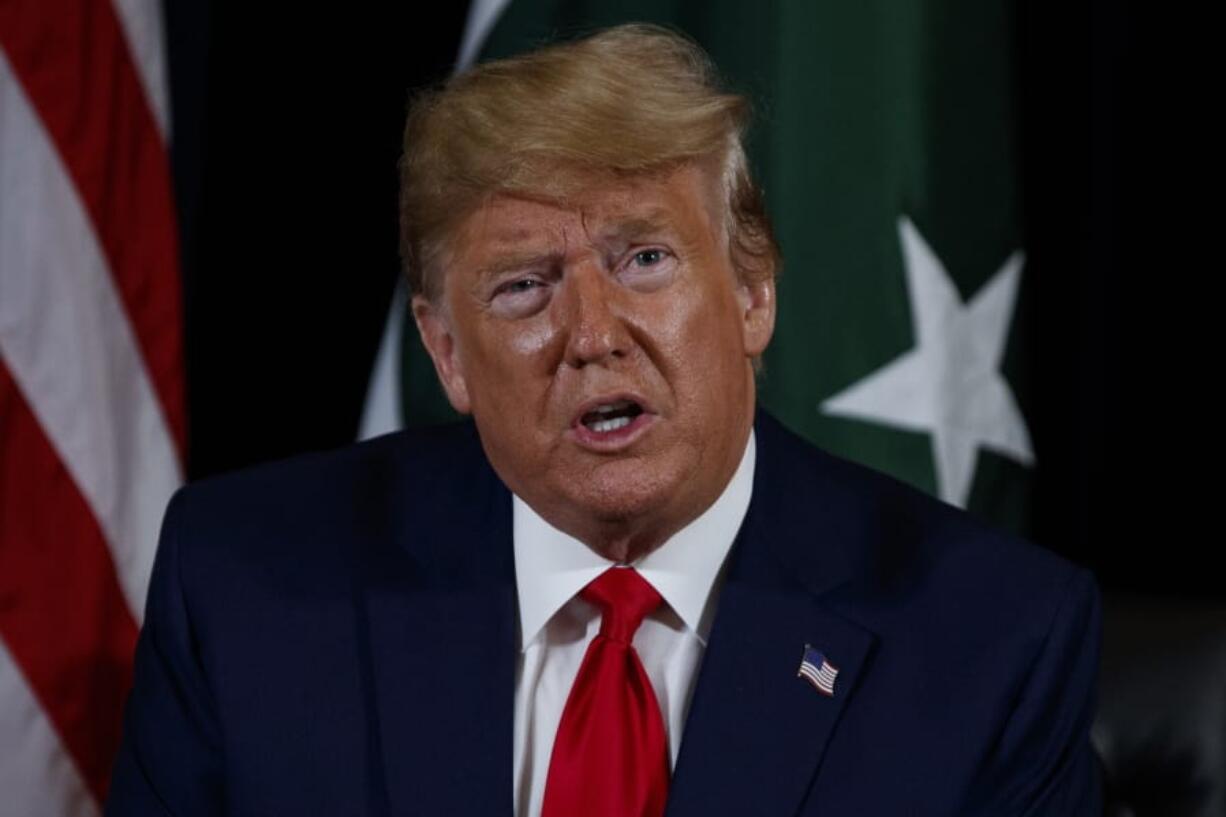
x=949 y=385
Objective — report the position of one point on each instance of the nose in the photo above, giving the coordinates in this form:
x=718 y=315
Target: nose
x=596 y=332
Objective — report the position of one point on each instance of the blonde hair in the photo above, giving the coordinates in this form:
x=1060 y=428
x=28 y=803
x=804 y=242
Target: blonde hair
x=630 y=100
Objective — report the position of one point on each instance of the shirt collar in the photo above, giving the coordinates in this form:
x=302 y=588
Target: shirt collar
x=551 y=566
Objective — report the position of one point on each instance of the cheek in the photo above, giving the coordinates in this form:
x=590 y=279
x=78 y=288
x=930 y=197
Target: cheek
x=700 y=334
x=532 y=340
x=507 y=365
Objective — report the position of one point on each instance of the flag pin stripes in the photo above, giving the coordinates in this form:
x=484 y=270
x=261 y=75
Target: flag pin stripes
x=819 y=672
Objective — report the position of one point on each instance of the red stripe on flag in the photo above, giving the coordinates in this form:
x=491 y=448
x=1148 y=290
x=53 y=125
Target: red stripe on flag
x=73 y=60
x=62 y=613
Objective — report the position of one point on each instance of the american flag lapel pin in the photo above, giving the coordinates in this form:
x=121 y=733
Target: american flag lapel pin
x=819 y=672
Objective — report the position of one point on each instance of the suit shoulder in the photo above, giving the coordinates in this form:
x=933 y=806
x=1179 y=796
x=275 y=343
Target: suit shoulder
x=343 y=473
x=901 y=539
x=971 y=632
x=400 y=487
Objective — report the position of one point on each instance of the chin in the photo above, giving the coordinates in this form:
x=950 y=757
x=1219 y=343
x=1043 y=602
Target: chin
x=624 y=490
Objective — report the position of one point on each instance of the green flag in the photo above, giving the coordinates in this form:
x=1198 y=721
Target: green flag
x=885 y=137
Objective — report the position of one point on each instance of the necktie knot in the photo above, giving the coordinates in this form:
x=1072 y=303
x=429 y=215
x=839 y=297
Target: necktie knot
x=610 y=754
x=625 y=598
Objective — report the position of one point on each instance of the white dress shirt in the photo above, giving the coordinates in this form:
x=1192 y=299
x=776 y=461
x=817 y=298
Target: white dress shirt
x=556 y=625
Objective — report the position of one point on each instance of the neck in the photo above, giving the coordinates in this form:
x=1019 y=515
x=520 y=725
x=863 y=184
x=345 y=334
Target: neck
x=620 y=543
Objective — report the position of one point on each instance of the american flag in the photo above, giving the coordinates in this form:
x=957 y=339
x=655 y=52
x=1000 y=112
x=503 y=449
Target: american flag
x=92 y=418
x=815 y=669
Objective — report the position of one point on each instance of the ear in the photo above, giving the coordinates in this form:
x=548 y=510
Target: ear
x=757 y=300
x=436 y=336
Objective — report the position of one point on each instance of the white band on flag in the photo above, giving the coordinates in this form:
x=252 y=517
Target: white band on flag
x=37 y=777
x=482 y=15
x=78 y=365
x=384 y=408
x=142 y=24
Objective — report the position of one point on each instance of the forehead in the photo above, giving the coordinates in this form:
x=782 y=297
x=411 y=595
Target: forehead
x=682 y=202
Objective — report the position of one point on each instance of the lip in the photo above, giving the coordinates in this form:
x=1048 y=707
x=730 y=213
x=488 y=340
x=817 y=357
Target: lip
x=610 y=442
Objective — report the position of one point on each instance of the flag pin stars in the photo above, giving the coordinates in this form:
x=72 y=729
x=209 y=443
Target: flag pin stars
x=819 y=672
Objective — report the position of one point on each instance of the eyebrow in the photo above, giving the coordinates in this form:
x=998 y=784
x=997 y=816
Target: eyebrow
x=653 y=221
x=515 y=261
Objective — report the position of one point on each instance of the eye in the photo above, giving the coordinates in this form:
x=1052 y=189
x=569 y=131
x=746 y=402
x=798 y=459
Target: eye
x=519 y=297
x=518 y=287
x=647 y=258
x=648 y=269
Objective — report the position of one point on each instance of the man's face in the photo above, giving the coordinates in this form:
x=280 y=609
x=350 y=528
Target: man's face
x=604 y=348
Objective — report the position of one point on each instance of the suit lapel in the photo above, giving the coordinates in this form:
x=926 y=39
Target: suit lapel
x=444 y=681
x=803 y=545
x=752 y=719
x=440 y=623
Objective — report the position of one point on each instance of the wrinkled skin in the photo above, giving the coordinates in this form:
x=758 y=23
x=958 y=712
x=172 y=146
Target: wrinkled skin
x=626 y=290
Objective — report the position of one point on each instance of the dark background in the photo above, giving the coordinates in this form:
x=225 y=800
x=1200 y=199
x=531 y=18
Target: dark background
x=287 y=132
x=286 y=136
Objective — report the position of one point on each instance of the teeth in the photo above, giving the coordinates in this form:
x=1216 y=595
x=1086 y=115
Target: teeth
x=605 y=426
x=609 y=408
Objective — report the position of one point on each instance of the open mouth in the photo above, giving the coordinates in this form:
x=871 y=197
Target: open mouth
x=613 y=416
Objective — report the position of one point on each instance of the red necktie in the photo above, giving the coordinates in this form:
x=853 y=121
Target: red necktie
x=610 y=756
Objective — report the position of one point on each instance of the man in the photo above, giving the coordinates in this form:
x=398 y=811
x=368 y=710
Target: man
x=623 y=589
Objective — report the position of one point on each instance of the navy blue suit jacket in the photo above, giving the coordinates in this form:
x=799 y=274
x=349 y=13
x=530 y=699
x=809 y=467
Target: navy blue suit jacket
x=336 y=635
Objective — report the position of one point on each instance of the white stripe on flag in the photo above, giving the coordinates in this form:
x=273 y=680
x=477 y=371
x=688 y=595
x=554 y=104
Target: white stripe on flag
x=37 y=777
x=78 y=363
x=384 y=408
x=482 y=15
x=141 y=21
